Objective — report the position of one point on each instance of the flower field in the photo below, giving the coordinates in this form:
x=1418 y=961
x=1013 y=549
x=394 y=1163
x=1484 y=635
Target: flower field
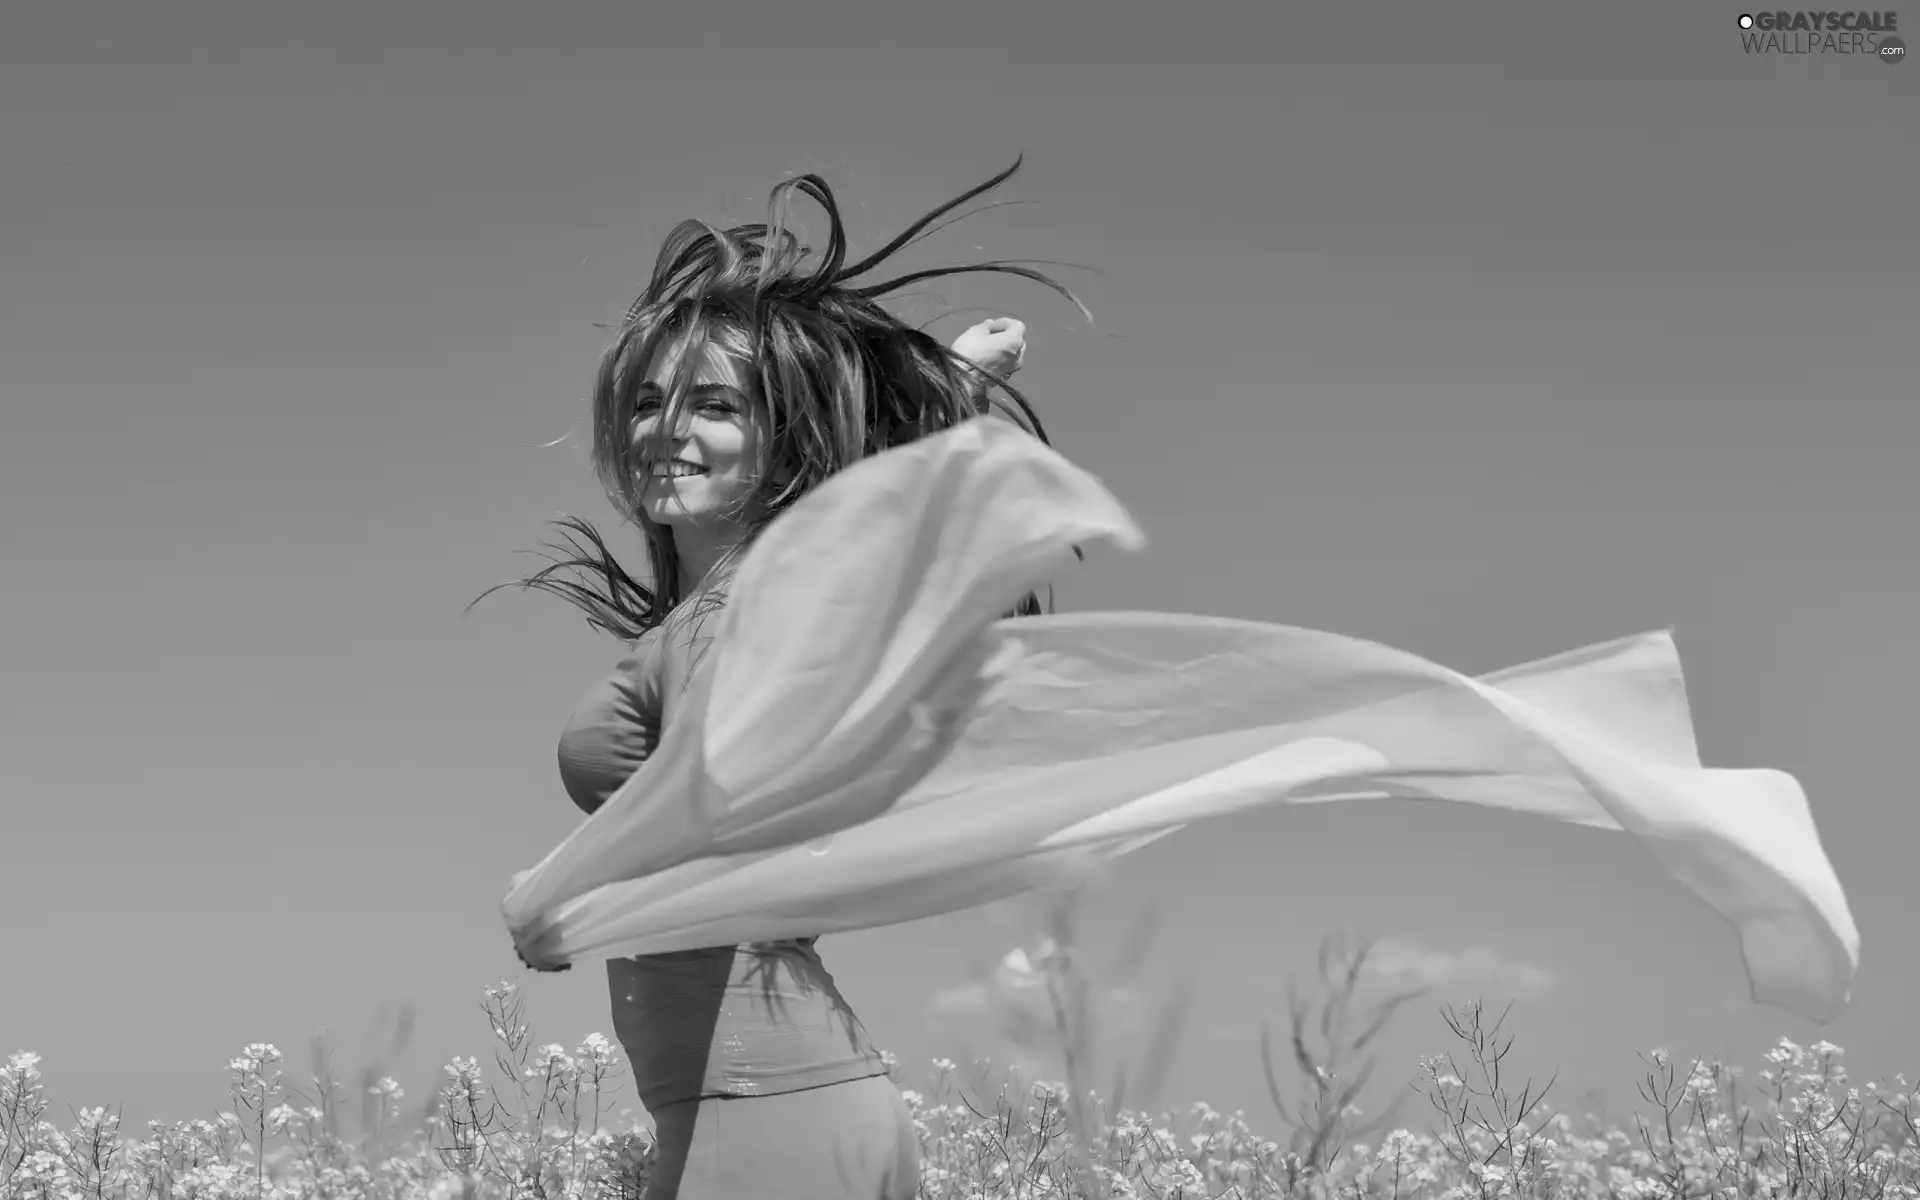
x=538 y=1122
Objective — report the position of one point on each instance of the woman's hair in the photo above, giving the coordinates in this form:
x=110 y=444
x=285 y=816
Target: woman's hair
x=837 y=375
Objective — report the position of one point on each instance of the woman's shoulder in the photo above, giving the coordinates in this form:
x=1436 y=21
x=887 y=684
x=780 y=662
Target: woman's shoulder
x=683 y=636
x=641 y=649
x=646 y=643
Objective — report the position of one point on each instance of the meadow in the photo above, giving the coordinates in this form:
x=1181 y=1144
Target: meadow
x=542 y=1122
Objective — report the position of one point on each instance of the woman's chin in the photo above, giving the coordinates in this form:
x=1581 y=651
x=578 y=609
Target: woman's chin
x=692 y=518
x=669 y=516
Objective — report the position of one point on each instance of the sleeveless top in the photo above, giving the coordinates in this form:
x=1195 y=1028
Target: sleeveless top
x=754 y=1020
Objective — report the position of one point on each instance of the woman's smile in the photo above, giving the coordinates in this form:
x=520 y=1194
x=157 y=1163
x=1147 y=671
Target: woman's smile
x=673 y=469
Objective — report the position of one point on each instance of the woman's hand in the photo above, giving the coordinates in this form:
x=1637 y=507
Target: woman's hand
x=998 y=347
x=521 y=955
x=518 y=951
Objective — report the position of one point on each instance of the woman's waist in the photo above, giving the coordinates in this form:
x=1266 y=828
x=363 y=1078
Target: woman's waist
x=751 y=1023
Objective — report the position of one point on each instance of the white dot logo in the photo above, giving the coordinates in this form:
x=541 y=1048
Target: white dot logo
x=1746 y=20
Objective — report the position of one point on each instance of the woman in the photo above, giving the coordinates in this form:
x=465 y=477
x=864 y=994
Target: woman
x=747 y=372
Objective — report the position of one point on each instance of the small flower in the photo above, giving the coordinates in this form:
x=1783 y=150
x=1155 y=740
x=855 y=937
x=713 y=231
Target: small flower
x=598 y=1052
x=24 y=1064
x=553 y=1060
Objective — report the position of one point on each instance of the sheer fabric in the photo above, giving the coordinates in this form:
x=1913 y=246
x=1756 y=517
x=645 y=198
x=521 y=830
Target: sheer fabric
x=867 y=743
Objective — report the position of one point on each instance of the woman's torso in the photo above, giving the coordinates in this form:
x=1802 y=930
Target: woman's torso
x=729 y=1021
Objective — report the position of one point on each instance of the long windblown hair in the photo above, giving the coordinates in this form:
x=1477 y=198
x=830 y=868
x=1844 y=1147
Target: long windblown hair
x=838 y=376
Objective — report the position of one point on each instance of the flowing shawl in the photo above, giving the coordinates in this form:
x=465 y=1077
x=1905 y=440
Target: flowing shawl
x=867 y=741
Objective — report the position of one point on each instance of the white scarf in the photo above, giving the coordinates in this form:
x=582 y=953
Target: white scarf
x=867 y=742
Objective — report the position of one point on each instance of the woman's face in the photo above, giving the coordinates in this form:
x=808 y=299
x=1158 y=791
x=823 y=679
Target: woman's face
x=699 y=474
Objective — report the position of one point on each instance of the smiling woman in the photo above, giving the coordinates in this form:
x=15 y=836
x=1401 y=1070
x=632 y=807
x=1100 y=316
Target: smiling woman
x=750 y=371
x=866 y=740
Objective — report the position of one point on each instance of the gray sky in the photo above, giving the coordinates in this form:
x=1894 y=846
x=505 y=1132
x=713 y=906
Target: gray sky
x=1486 y=331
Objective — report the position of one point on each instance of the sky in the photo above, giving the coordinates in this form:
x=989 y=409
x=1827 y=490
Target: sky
x=1483 y=330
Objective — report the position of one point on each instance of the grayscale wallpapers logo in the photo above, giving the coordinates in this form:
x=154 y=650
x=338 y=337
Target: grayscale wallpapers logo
x=1866 y=34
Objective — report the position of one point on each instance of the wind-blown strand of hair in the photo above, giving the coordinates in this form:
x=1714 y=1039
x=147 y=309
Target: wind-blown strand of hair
x=841 y=376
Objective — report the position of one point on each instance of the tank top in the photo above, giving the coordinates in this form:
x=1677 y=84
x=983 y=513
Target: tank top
x=753 y=1020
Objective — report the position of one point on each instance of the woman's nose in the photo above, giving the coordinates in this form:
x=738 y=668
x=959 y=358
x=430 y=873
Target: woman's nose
x=650 y=429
